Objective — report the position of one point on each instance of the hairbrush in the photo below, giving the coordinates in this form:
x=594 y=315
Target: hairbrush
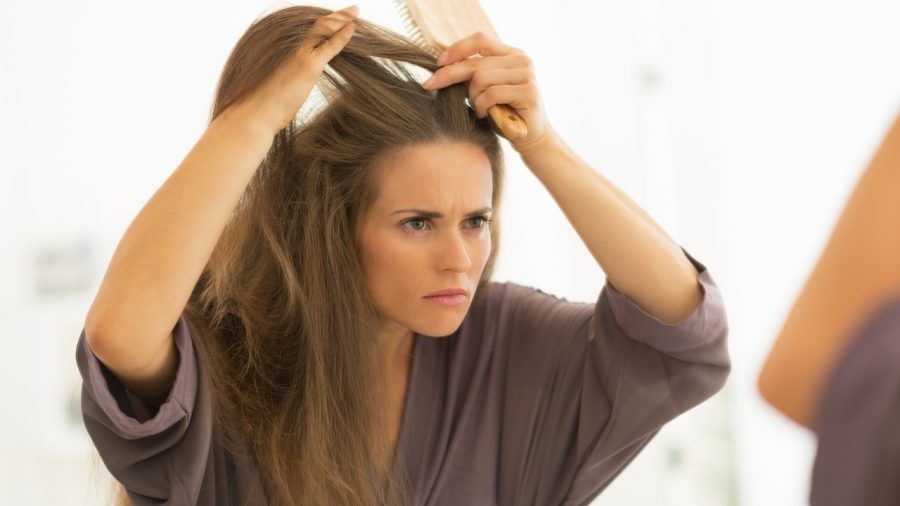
x=436 y=24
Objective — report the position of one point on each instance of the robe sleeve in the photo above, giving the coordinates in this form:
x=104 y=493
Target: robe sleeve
x=858 y=446
x=588 y=385
x=158 y=454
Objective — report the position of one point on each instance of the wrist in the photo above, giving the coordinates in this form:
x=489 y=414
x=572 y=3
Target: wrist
x=247 y=117
x=547 y=140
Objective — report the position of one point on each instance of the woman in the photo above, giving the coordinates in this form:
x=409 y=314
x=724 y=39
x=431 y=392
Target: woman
x=834 y=367
x=265 y=331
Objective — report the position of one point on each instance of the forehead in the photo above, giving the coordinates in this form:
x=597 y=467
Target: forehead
x=435 y=175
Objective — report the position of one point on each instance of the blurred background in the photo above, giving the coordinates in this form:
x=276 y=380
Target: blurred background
x=740 y=126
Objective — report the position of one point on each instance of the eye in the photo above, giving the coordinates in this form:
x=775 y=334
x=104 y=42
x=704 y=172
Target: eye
x=415 y=220
x=480 y=220
x=483 y=220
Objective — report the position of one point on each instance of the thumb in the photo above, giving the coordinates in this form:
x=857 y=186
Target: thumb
x=337 y=41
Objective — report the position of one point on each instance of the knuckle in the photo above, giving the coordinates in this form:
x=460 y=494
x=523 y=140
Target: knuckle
x=327 y=23
x=529 y=76
x=478 y=77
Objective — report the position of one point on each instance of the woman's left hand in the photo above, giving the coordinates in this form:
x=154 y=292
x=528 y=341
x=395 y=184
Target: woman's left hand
x=502 y=75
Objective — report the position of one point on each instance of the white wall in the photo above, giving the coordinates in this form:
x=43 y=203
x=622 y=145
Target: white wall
x=806 y=91
x=740 y=126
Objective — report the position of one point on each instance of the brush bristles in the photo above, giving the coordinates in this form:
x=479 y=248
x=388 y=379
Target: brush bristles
x=415 y=34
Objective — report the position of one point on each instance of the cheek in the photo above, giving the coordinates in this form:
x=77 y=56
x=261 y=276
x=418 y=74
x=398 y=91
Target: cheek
x=385 y=250
x=392 y=275
x=388 y=256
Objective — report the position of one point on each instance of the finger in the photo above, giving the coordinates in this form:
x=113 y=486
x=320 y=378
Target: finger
x=476 y=43
x=484 y=78
x=333 y=45
x=327 y=26
x=519 y=96
x=464 y=70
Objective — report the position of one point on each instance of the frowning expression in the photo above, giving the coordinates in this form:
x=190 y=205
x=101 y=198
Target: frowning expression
x=427 y=231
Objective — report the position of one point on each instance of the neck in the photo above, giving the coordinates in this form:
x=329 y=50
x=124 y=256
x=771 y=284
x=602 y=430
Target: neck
x=397 y=347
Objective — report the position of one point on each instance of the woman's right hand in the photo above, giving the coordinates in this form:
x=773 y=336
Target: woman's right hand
x=281 y=95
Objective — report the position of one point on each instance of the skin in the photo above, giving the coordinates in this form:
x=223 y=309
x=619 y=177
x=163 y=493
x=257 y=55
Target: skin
x=636 y=254
x=406 y=256
x=856 y=272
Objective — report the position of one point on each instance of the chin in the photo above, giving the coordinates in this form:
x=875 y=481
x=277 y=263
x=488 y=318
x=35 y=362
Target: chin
x=438 y=331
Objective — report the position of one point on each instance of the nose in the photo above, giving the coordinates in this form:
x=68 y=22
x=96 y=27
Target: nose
x=453 y=253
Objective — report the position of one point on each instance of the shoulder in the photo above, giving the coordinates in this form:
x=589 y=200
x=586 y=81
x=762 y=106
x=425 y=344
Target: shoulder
x=512 y=296
x=512 y=308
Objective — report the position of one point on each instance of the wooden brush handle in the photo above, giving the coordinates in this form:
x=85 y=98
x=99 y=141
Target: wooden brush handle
x=508 y=122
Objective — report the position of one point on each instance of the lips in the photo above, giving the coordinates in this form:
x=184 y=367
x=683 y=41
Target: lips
x=449 y=291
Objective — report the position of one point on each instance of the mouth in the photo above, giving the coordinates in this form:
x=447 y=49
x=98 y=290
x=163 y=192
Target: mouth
x=446 y=300
x=449 y=291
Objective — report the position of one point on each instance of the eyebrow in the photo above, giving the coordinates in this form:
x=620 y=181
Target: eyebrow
x=435 y=214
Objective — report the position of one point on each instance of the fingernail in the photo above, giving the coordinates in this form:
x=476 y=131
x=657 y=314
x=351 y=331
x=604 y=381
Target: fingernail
x=428 y=82
x=443 y=58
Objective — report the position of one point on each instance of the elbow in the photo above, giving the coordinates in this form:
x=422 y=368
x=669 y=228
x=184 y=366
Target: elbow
x=96 y=333
x=104 y=341
x=94 y=337
x=682 y=303
x=772 y=384
x=92 y=330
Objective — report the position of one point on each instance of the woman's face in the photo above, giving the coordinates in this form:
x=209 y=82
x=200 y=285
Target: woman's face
x=407 y=255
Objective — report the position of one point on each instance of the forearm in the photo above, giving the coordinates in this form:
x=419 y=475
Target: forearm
x=637 y=256
x=165 y=248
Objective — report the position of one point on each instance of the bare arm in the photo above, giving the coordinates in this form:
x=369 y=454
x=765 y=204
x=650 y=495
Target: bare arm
x=634 y=252
x=162 y=254
x=858 y=267
x=156 y=265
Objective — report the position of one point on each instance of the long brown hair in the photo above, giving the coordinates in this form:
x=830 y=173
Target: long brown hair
x=280 y=317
